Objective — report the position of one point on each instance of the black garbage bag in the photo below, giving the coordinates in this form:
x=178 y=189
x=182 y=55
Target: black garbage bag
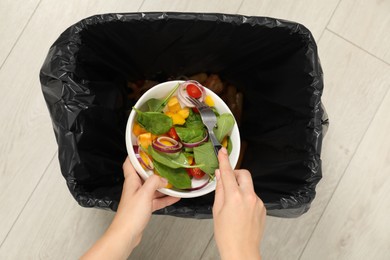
x=274 y=63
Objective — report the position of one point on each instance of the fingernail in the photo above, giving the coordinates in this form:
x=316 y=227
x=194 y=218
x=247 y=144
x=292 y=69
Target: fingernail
x=217 y=174
x=223 y=150
x=164 y=180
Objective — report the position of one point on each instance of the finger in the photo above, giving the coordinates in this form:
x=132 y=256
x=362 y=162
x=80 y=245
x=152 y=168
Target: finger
x=164 y=202
x=131 y=176
x=228 y=179
x=158 y=194
x=152 y=184
x=244 y=180
x=219 y=193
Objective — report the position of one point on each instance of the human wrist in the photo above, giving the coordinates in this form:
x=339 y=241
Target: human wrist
x=126 y=224
x=240 y=253
x=123 y=233
x=114 y=244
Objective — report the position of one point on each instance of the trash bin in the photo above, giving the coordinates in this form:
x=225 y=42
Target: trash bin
x=274 y=63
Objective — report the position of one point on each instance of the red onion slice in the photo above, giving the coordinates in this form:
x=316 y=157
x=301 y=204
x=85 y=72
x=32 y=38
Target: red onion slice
x=138 y=150
x=182 y=92
x=161 y=147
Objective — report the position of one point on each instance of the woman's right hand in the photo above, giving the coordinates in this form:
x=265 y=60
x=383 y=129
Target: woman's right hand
x=239 y=214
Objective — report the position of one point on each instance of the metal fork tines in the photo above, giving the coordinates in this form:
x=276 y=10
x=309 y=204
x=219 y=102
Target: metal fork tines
x=209 y=120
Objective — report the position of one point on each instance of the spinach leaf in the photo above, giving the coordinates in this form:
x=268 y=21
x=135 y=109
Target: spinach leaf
x=204 y=154
x=229 y=145
x=155 y=122
x=194 y=120
x=176 y=160
x=154 y=104
x=177 y=177
x=190 y=135
x=188 y=150
x=225 y=123
x=157 y=105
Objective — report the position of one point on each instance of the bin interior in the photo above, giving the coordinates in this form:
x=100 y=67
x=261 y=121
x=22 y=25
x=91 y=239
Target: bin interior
x=268 y=64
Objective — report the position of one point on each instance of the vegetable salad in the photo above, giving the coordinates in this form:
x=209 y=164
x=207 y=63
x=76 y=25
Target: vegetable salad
x=172 y=140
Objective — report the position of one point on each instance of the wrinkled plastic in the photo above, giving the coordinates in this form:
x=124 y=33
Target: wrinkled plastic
x=273 y=62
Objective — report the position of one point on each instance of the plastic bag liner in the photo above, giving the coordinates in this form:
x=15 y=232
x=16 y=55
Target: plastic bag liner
x=274 y=63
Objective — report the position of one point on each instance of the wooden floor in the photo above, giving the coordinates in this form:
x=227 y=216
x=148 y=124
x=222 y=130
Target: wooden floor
x=349 y=219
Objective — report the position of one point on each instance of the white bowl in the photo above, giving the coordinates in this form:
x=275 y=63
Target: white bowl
x=161 y=91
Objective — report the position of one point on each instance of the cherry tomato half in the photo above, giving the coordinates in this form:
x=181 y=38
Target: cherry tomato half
x=172 y=134
x=195 y=110
x=197 y=173
x=193 y=91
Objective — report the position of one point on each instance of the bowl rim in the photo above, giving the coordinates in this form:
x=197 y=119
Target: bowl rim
x=144 y=175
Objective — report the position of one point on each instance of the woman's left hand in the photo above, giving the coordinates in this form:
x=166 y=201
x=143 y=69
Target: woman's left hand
x=137 y=203
x=138 y=200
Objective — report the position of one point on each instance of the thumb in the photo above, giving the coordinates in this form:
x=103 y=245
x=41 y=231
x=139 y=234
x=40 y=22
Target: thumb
x=152 y=184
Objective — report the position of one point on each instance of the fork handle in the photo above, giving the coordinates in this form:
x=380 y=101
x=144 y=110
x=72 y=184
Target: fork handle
x=215 y=142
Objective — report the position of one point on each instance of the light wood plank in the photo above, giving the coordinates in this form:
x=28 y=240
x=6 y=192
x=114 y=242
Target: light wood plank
x=314 y=14
x=219 y=6
x=27 y=142
x=356 y=222
x=365 y=23
x=355 y=84
x=14 y=16
x=53 y=225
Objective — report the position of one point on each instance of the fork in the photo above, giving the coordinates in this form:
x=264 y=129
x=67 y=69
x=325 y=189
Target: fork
x=209 y=120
